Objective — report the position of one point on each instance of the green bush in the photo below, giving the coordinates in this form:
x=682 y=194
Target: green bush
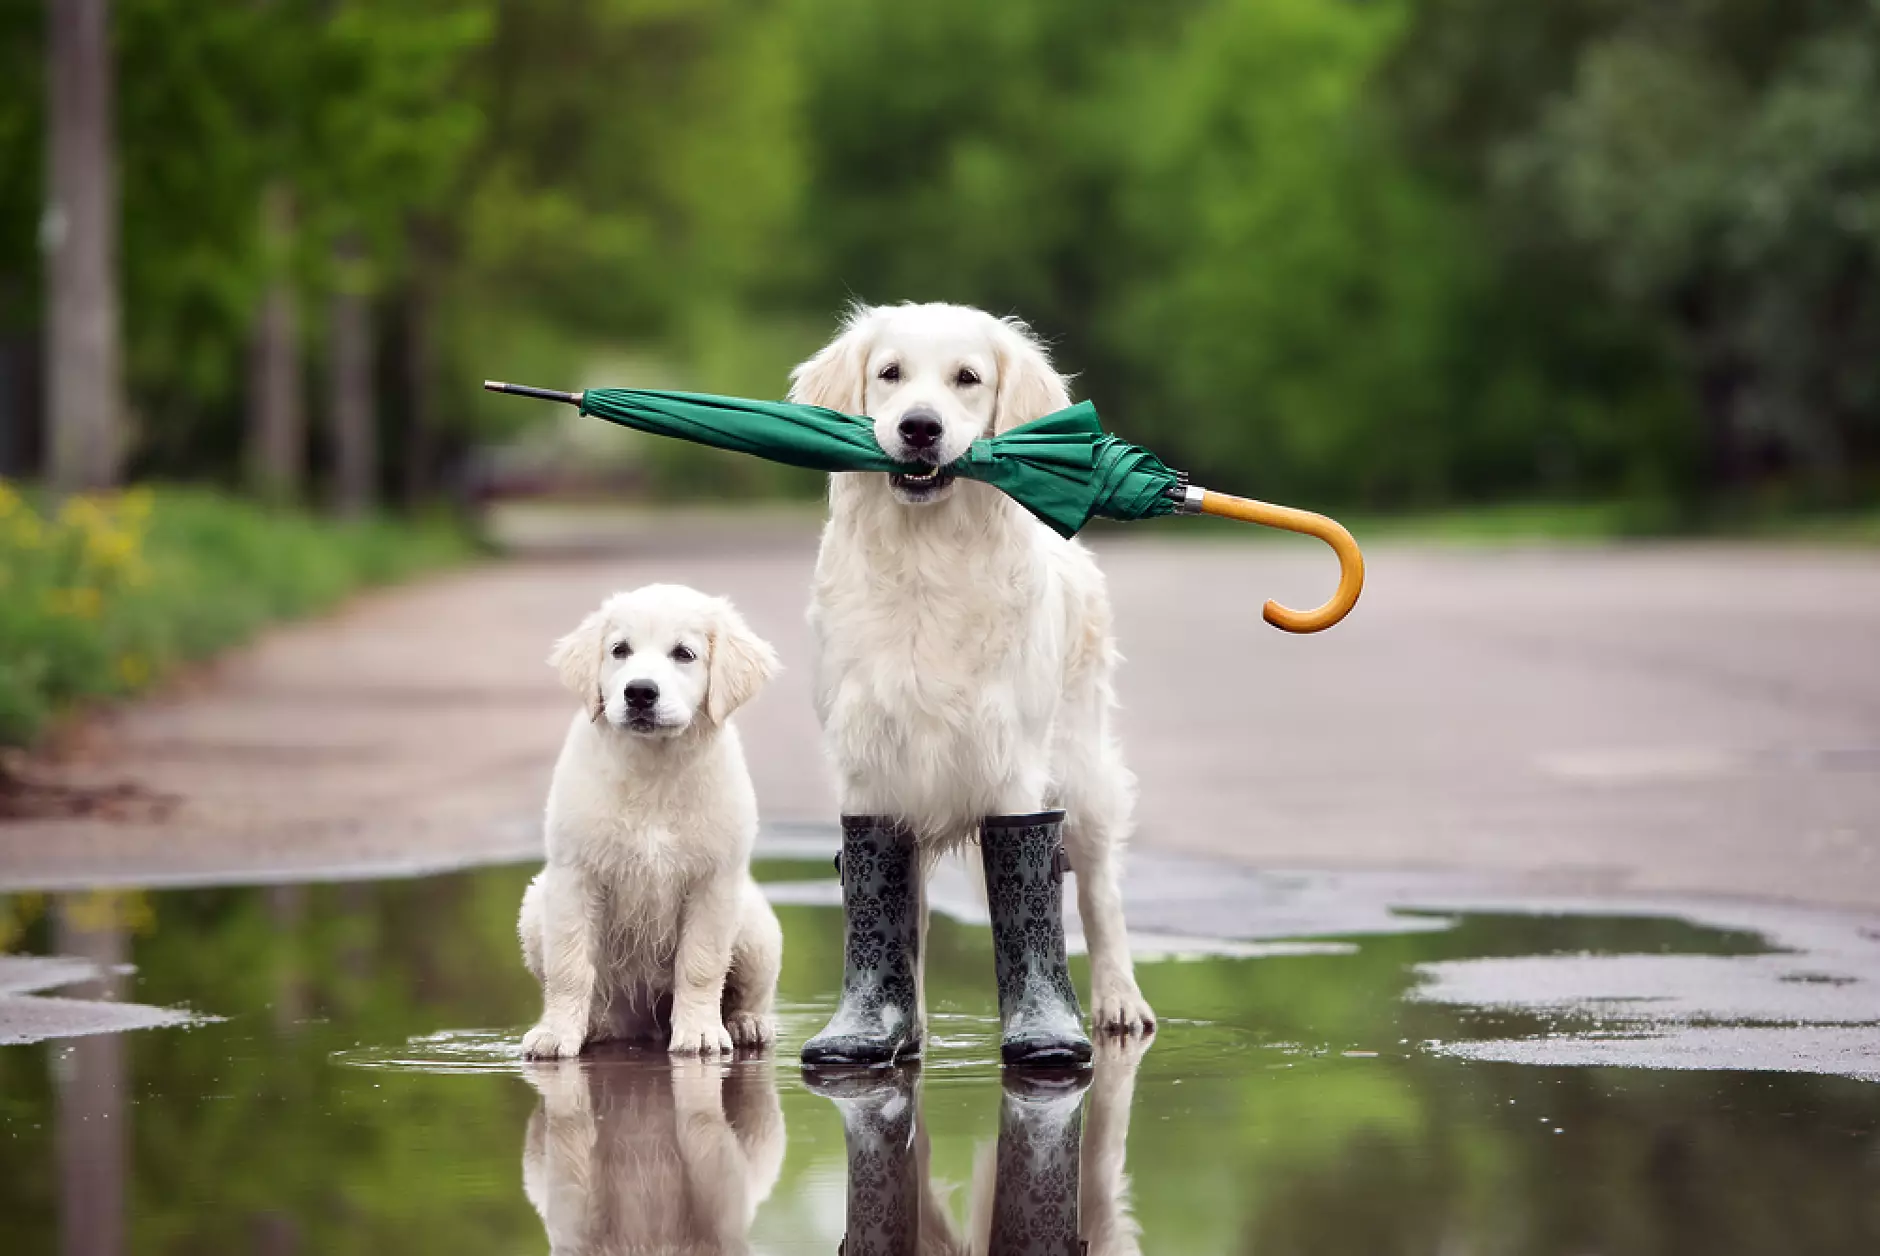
x=103 y=596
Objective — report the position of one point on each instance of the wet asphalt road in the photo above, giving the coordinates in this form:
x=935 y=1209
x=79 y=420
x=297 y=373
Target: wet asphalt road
x=1653 y=719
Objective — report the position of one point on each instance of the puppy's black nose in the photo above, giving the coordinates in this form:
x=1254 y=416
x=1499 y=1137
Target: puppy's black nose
x=920 y=429
x=641 y=694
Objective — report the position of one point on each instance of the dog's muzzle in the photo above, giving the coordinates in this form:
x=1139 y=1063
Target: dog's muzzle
x=920 y=431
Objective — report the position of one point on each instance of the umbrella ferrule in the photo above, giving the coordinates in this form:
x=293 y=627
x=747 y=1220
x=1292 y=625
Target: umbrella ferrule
x=1189 y=502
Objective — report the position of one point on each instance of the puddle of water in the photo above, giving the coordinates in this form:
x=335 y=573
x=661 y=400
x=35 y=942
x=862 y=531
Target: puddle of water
x=362 y=1093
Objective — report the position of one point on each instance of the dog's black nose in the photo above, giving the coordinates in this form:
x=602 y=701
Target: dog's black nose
x=641 y=694
x=920 y=429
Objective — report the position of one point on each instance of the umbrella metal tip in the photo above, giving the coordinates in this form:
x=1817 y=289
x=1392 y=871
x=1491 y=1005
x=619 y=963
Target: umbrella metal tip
x=495 y=385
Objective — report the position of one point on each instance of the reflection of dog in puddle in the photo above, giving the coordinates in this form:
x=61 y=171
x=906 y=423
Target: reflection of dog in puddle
x=641 y=1155
x=1055 y=1184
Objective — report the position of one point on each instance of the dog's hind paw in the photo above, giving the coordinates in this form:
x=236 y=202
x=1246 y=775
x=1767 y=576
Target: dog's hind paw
x=1121 y=1010
x=546 y=1043
x=748 y=1029
x=700 y=1038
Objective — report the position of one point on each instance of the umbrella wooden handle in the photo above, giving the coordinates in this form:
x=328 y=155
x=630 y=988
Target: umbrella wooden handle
x=1333 y=533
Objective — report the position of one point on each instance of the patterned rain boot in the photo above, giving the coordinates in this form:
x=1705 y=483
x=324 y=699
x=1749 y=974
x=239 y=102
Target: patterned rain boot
x=1043 y=1026
x=878 y=1020
x=1034 y=1201
x=878 y=1110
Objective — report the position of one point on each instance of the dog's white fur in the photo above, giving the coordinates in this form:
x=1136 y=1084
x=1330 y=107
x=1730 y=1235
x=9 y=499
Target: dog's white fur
x=964 y=650
x=646 y=917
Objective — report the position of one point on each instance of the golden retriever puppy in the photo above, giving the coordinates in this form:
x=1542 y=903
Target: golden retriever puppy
x=646 y=922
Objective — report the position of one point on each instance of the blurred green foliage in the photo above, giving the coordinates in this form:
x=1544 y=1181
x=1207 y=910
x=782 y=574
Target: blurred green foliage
x=1389 y=254
x=107 y=594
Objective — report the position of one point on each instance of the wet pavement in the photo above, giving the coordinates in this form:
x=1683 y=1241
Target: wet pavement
x=1348 y=1062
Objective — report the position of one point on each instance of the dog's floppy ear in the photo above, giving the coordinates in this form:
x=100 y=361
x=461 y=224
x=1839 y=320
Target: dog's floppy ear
x=833 y=377
x=1029 y=386
x=740 y=664
x=576 y=658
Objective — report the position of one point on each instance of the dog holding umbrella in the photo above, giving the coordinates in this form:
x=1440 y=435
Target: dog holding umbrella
x=965 y=654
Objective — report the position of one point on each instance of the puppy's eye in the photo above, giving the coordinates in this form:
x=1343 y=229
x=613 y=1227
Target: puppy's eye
x=890 y=373
x=683 y=654
x=621 y=650
x=967 y=377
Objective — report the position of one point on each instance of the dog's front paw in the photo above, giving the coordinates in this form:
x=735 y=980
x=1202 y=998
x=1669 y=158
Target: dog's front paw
x=748 y=1029
x=699 y=1036
x=1117 y=1007
x=545 y=1042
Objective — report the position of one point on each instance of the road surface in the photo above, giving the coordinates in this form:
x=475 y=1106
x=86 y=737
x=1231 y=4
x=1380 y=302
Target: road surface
x=1643 y=719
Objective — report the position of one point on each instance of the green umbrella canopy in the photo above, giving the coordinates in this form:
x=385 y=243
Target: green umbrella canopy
x=1063 y=468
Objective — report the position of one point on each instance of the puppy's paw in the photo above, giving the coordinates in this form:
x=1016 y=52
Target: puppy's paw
x=545 y=1042
x=699 y=1036
x=748 y=1029
x=1117 y=1007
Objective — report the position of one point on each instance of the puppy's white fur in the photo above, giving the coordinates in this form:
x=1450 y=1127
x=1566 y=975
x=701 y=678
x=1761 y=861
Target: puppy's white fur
x=964 y=650
x=646 y=919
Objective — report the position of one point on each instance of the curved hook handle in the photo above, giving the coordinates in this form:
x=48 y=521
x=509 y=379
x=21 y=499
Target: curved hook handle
x=1333 y=533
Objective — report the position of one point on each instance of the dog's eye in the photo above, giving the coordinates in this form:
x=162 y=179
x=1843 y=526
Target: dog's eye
x=967 y=377
x=621 y=650
x=890 y=373
x=683 y=654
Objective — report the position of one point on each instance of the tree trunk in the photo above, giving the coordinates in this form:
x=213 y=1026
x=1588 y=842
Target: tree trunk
x=277 y=423
x=84 y=440
x=354 y=426
x=419 y=403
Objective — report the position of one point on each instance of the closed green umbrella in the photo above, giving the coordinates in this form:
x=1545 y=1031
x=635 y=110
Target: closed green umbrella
x=1064 y=467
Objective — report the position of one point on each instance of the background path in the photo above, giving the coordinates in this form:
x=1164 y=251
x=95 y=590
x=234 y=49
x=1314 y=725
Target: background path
x=1651 y=719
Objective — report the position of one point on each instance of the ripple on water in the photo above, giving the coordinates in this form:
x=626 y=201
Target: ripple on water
x=959 y=1046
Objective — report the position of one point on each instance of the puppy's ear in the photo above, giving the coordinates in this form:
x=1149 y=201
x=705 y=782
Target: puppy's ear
x=1029 y=386
x=576 y=659
x=833 y=378
x=741 y=662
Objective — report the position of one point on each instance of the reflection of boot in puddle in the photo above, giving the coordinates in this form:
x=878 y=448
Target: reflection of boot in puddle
x=1035 y=1198
x=878 y=1117
x=646 y=1155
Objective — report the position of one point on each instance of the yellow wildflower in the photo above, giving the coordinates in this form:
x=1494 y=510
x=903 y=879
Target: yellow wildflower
x=110 y=547
x=134 y=504
x=81 y=511
x=135 y=669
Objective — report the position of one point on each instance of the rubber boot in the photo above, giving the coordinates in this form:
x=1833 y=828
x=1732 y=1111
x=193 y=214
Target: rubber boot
x=1042 y=1024
x=1034 y=1200
x=878 y=1020
x=878 y=1110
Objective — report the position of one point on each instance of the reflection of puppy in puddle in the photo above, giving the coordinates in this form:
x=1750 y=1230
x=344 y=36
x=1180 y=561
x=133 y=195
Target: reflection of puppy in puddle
x=1055 y=1183
x=639 y=1155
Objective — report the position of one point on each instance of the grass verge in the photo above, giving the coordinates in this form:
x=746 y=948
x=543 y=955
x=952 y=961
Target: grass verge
x=102 y=597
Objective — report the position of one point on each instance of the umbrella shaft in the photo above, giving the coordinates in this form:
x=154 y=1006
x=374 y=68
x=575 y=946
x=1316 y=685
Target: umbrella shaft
x=524 y=390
